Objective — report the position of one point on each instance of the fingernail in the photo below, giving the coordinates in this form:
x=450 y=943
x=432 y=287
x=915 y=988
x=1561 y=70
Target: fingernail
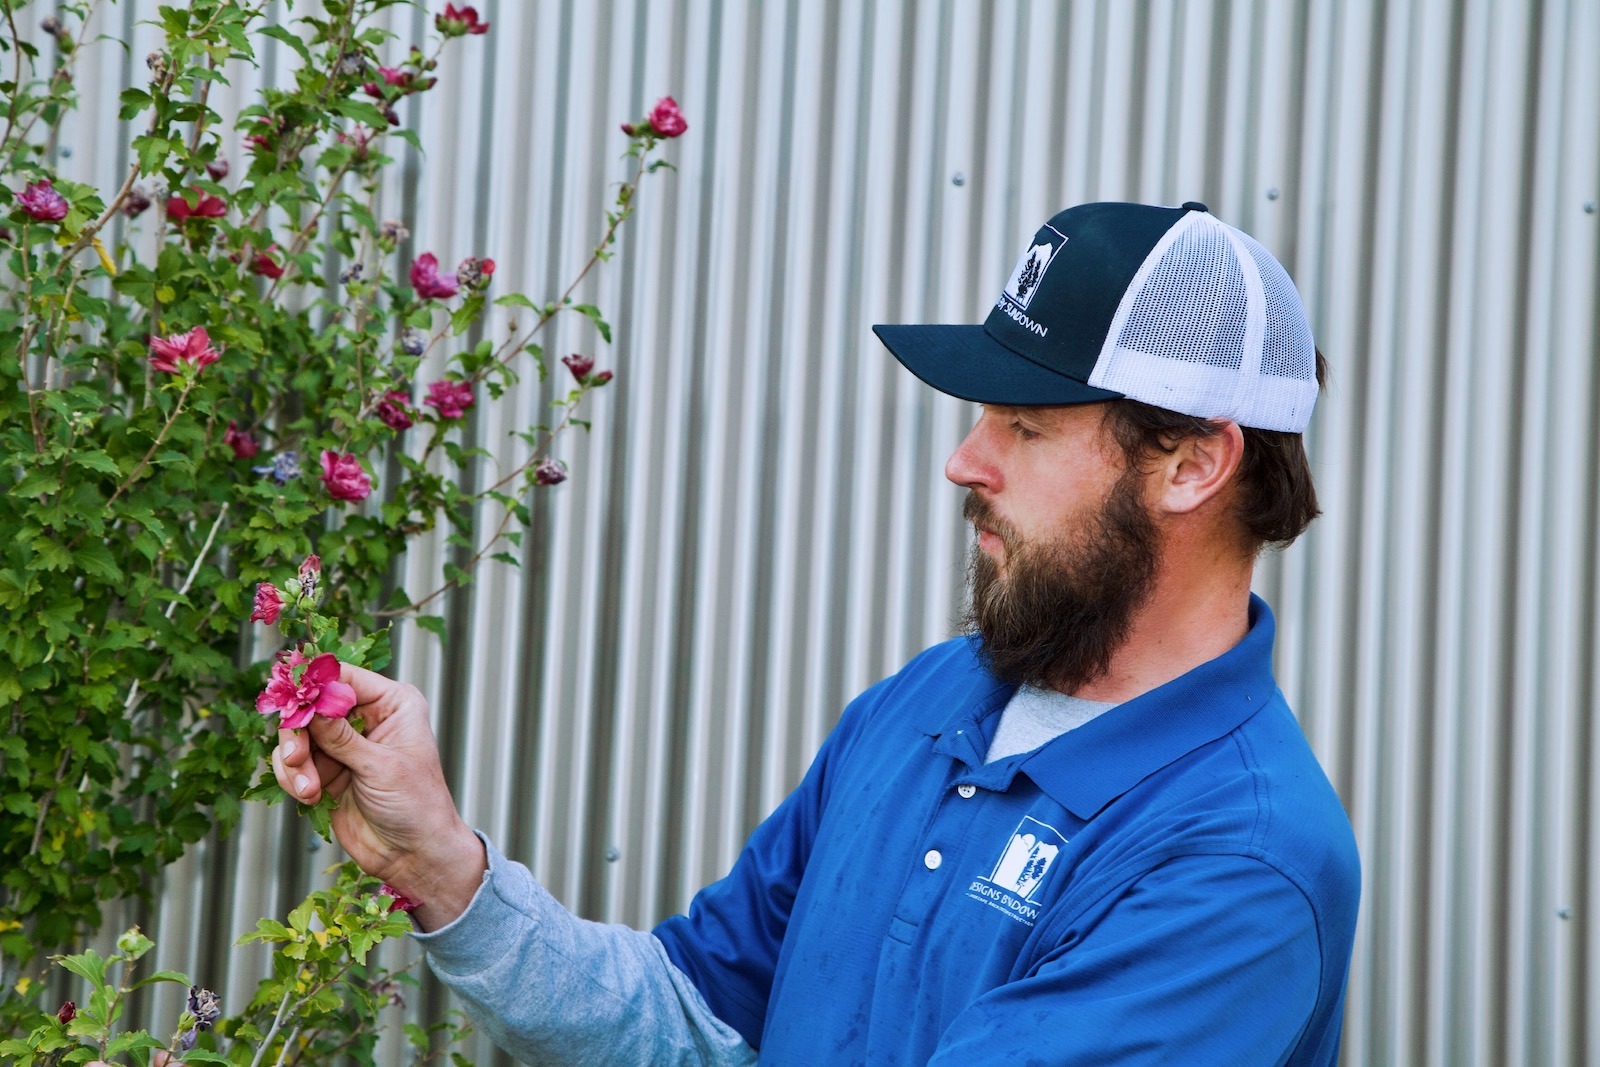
x=302 y=784
x=288 y=749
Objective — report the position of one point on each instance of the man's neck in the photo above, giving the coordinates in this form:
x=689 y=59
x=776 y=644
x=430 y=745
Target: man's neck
x=1186 y=622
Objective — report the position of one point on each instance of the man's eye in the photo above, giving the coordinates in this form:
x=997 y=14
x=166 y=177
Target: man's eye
x=1022 y=431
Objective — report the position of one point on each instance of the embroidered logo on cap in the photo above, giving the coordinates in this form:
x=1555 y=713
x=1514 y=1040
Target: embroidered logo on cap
x=1024 y=281
x=1013 y=886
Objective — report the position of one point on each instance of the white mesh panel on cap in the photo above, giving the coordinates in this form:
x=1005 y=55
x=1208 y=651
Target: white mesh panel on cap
x=1202 y=333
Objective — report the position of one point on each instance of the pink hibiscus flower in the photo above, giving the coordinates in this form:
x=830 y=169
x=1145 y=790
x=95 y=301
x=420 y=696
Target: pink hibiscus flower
x=190 y=346
x=428 y=282
x=318 y=692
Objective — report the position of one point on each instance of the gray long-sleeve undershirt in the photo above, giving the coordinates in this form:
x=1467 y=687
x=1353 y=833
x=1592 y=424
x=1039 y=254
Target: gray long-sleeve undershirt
x=551 y=988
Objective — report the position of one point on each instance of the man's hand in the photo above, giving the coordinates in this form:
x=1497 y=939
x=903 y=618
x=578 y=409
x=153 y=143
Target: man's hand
x=395 y=818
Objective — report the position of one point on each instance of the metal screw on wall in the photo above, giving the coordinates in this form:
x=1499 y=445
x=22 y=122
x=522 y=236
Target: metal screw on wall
x=958 y=179
x=1588 y=207
x=613 y=854
x=1272 y=193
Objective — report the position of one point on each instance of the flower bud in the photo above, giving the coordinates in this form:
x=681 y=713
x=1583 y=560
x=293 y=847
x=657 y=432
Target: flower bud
x=157 y=64
x=310 y=571
x=550 y=472
x=203 y=1004
x=602 y=378
x=218 y=169
x=413 y=341
x=51 y=25
x=68 y=1012
x=391 y=230
x=136 y=203
x=580 y=365
x=352 y=273
x=473 y=272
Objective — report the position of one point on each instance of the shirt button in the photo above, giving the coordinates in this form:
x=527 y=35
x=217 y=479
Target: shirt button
x=932 y=859
x=966 y=789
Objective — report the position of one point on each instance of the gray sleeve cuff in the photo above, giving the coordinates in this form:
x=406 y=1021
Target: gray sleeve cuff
x=549 y=987
x=498 y=913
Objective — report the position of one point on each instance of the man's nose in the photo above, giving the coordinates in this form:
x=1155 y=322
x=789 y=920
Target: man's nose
x=970 y=465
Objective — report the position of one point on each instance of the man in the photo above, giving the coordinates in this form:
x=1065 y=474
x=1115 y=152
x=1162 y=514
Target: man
x=1090 y=832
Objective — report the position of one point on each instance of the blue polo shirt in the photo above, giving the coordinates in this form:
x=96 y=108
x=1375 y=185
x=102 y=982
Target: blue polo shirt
x=1172 y=882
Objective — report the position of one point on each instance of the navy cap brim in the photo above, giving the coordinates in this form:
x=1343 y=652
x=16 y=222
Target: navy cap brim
x=966 y=362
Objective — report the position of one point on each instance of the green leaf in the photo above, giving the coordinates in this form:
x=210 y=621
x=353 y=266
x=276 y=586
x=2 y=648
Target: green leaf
x=162 y=976
x=300 y=917
x=434 y=624
x=465 y=315
x=267 y=930
x=153 y=151
x=131 y=1040
x=96 y=460
x=88 y=965
x=279 y=33
x=320 y=816
x=515 y=300
x=133 y=102
x=592 y=313
x=95 y=560
x=37 y=483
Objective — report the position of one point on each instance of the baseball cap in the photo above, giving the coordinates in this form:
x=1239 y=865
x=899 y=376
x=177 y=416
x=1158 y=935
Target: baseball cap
x=1165 y=305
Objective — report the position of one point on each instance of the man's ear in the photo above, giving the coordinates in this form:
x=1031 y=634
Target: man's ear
x=1198 y=469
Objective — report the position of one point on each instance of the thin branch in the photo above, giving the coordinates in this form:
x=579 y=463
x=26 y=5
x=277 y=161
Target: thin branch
x=16 y=77
x=277 y=1024
x=162 y=436
x=505 y=520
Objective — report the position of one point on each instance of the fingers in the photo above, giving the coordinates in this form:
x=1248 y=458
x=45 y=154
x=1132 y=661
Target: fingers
x=293 y=747
x=300 y=779
x=337 y=739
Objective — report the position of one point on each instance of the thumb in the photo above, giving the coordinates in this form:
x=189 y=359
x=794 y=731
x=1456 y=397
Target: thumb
x=337 y=738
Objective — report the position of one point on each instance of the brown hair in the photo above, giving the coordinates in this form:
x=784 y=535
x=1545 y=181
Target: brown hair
x=1276 y=499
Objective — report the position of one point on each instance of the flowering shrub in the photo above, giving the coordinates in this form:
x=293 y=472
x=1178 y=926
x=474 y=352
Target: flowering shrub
x=322 y=999
x=188 y=407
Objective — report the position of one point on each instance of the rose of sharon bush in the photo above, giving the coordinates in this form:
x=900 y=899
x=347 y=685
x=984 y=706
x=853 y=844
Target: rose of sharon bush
x=317 y=692
x=343 y=476
x=172 y=491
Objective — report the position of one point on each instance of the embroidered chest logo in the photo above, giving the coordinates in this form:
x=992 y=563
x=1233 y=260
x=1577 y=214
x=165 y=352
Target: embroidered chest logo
x=1013 y=885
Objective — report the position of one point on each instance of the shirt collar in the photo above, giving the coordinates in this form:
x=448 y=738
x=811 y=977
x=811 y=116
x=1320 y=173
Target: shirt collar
x=1087 y=768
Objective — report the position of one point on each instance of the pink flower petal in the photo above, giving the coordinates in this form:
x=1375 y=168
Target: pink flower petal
x=298 y=719
x=336 y=700
x=323 y=670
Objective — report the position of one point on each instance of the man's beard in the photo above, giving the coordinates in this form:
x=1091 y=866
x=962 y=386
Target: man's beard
x=1063 y=607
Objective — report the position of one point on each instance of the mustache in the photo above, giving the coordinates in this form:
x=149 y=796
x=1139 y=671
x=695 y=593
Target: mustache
x=981 y=514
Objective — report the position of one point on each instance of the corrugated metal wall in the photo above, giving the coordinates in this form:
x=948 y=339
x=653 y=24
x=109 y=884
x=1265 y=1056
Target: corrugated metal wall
x=758 y=526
